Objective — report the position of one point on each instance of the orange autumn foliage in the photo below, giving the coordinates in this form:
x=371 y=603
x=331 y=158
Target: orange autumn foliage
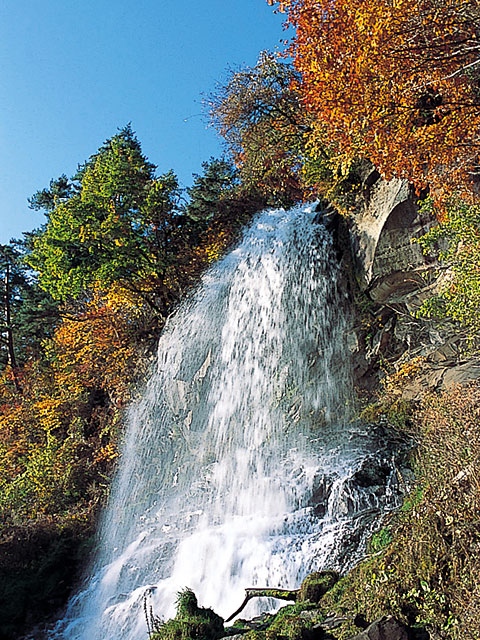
x=94 y=349
x=398 y=82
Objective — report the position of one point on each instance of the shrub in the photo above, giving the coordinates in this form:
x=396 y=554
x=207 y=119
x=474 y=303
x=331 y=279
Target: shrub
x=190 y=622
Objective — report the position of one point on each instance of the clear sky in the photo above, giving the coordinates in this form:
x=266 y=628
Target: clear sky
x=73 y=73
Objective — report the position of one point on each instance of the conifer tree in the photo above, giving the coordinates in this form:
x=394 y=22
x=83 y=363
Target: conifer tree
x=115 y=221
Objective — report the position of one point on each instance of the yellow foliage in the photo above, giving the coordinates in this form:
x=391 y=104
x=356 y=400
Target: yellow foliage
x=94 y=349
x=216 y=245
x=107 y=453
x=406 y=371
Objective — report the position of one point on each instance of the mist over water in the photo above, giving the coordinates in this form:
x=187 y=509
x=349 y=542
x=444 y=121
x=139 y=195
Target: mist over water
x=241 y=466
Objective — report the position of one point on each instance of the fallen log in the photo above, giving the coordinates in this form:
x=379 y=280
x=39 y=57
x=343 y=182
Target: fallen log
x=312 y=589
x=259 y=592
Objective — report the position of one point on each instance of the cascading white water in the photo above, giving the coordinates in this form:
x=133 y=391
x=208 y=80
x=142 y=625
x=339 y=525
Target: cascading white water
x=239 y=463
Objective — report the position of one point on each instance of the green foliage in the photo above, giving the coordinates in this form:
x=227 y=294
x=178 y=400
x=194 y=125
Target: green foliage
x=456 y=241
x=190 y=623
x=187 y=604
x=380 y=540
x=28 y=313
x=340 y=185
x=117 y=223
x=413 y=499
x=218 y=206
x=217 y=182
x=217 y=210
x=59 y=190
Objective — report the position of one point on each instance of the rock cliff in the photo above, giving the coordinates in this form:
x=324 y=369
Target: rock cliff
x=391 y=279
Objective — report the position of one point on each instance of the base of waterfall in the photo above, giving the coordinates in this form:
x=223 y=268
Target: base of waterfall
x=307 y=619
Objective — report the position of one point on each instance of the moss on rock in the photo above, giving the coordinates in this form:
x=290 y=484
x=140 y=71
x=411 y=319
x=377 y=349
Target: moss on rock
x=316 y=585
x=190 y=622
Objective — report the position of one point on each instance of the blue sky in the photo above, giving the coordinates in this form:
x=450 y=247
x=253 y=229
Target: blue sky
x=73 y=73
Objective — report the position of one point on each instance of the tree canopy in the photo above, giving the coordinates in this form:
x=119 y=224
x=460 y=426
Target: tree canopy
x=84 y=298
x=114 y=221
x=398 y=83
x=28 y=313
x=260 y=116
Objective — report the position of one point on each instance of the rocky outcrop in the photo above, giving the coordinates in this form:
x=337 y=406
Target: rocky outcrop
x=393 y=275
x=310 y=623
x=389 y=266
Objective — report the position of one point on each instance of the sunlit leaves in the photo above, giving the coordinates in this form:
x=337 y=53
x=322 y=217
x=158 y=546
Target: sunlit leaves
x=115 y=225
x=457 y=242
x=398 y=84
x=93 y=349
x=260 y=116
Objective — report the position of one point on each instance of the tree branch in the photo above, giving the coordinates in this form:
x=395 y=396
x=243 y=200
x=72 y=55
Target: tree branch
x=255 y=592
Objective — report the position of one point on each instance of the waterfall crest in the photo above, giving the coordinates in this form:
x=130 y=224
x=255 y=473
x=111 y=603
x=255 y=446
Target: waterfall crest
x=240 y=464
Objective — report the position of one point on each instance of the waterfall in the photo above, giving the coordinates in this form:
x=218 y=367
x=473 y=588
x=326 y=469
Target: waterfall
x=241 y=465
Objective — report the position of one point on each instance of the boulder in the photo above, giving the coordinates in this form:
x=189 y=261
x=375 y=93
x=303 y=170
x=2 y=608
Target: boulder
x=316 y=585
x=386 y=628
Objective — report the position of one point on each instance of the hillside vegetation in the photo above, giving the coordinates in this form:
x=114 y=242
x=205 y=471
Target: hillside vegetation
x=85 y=298
x=86 y=295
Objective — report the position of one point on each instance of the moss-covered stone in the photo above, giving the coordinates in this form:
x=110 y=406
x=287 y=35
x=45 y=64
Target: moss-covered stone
x=287 y=625
x=191 y=622
x=316 y=585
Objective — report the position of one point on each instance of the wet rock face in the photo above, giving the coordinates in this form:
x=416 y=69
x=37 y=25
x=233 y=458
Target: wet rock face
x=362 y=491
